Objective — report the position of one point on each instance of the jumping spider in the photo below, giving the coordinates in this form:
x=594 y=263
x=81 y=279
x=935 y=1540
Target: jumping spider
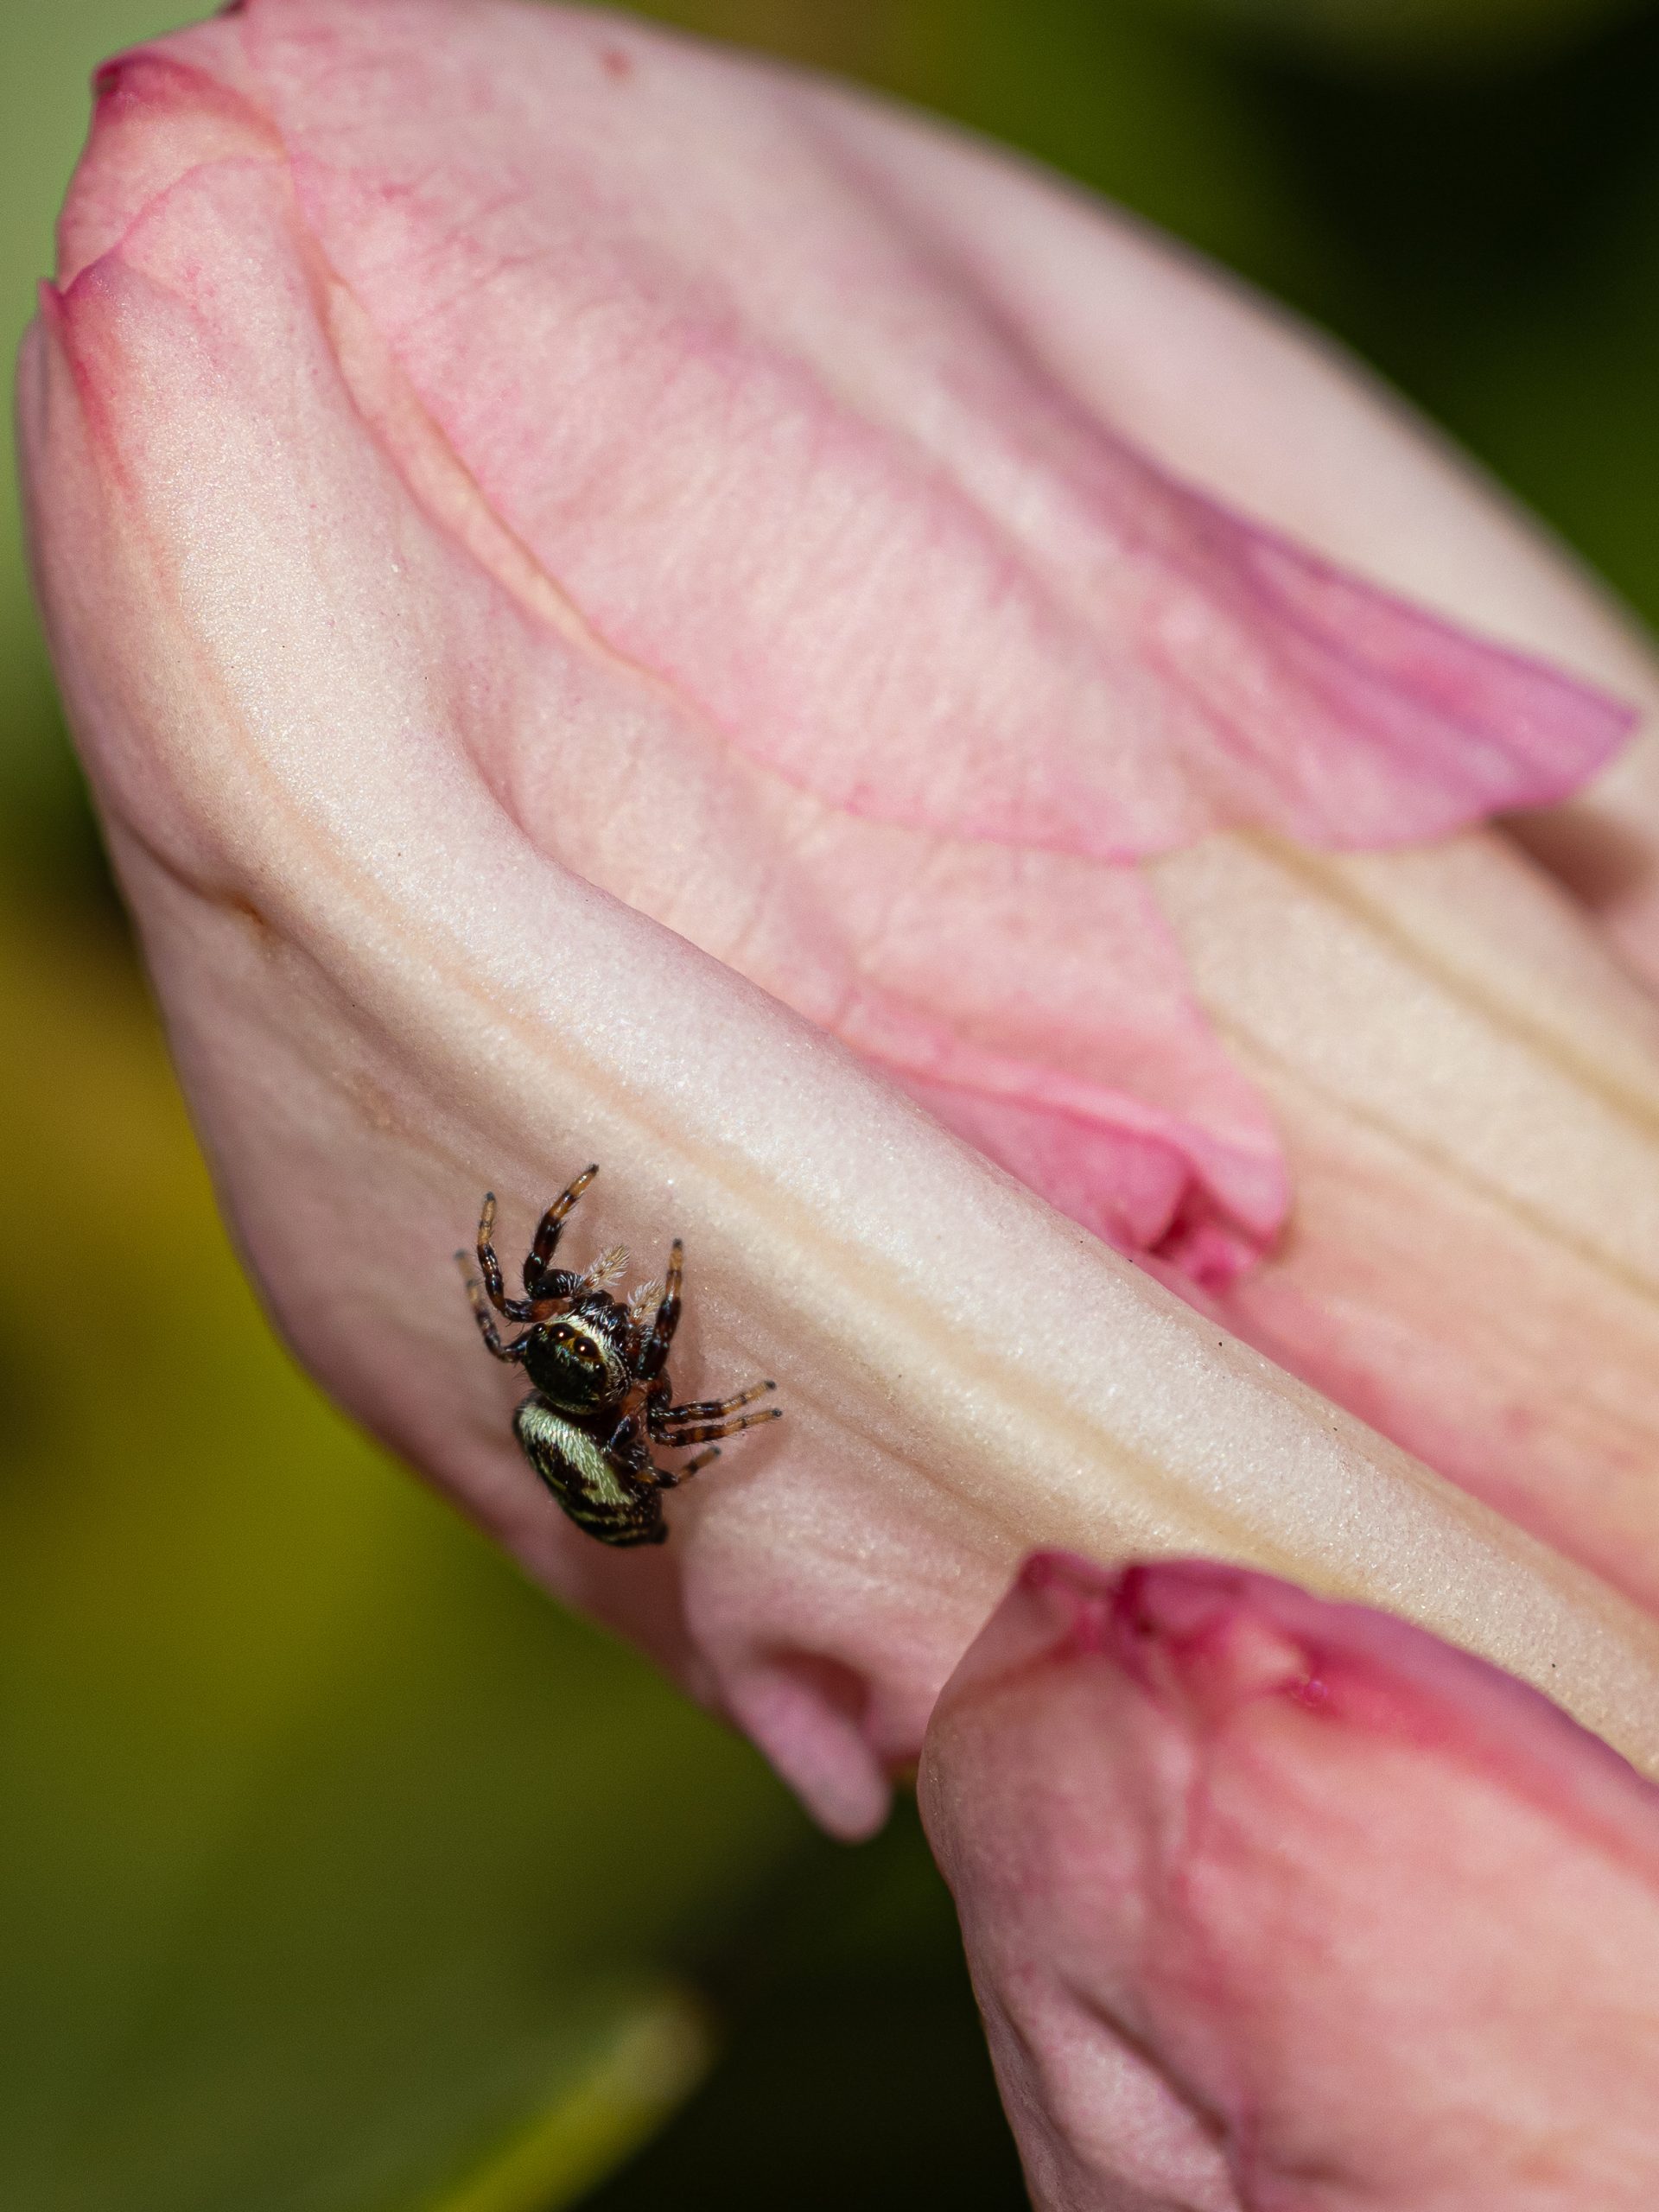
x=601 y=1381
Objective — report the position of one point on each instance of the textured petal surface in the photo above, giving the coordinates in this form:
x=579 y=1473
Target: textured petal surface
x=1468 y=1092
x=1280 y=1906
x=963 y=633
x=1004 y=623
x=432 y=843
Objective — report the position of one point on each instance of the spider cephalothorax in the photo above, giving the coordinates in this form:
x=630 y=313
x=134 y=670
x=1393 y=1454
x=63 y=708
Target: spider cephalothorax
x=602 y=1395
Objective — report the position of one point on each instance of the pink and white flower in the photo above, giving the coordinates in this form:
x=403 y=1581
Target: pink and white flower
x=624 y=603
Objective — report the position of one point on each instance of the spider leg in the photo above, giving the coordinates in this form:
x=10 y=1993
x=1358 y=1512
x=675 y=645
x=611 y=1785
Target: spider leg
x=512 y=1309
x=542 y=1280
x=514 y=1352
x=625 y=1445
x=702 y=1431
x=626 y=1432
x=652 y=1356
x=671 y=1478
x=662 y=1417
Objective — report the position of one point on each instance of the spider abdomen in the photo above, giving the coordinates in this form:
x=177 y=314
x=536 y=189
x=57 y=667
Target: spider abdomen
x=601 y=1496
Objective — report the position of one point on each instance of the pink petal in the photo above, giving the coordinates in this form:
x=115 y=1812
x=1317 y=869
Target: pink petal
x=1131 y=666
x=1279 y=1904
x=1468 y=1092
x=1026 y=632
x=430 y=872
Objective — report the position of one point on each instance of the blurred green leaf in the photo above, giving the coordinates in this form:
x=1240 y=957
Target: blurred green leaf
x=339 y=1869
x=646 y=2069
x=855 y=2071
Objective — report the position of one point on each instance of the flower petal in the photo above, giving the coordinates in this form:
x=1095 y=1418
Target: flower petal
x=1130 y=664
x=385 y=806
x=1469 y=1094
x=1003 y=622
x=1272 y=1903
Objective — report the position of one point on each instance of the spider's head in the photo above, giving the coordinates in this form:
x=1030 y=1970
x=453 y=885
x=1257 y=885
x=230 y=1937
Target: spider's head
x=576 y=1365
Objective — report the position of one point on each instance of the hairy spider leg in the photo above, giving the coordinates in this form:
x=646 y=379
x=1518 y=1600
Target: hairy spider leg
x=547 y=1287
x=512 y=1309
x=627 y=1435
x=542 y=1280
x=514 y=1352
x=662 y=1416
x=652 y=1356
x=671 y=1478
x=700 y=1432
x=623 y=1437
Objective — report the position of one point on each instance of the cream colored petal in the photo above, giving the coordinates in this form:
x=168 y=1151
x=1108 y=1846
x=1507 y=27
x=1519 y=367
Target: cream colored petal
x=1468 y=1089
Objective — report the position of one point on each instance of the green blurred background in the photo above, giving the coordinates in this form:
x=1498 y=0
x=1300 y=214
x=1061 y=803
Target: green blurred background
x=291 y=1765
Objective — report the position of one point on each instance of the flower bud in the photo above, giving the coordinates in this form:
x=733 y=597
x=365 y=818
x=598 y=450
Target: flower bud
x=611 y=619
x=1275 y=1902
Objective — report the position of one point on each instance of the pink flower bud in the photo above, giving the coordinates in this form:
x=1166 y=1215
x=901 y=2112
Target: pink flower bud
x=625 y=605
x=1277 y=1903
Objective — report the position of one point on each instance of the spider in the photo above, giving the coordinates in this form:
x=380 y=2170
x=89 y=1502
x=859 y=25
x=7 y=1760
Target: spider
x=602 y=1384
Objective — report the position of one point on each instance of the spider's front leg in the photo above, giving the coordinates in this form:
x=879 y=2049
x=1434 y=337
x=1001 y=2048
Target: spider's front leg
x=513 y=1353
x=652 y=1355
x=512 y=1309
x=545 y=1284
